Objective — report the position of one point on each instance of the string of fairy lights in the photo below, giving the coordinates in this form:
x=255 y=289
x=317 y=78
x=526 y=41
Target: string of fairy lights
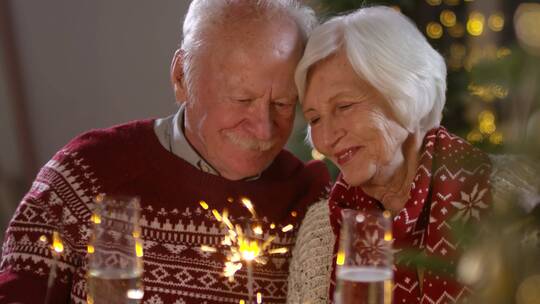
x=461 y=56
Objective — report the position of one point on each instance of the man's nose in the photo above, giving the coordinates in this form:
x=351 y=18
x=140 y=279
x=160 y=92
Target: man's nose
x=261 y=121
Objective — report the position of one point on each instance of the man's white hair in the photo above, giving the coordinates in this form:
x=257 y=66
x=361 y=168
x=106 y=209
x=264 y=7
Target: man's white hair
x=387 y=50
x=206 y=14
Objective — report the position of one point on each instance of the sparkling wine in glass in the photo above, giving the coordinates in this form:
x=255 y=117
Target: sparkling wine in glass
x=364 y=262
x=115 y=252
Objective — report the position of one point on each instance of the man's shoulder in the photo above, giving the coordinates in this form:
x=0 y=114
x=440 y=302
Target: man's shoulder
x=119 y=135
x=110 y=150
x=457 y=153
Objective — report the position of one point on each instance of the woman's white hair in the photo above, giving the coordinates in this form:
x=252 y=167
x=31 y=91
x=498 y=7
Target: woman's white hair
x=387 y=50
x=205 y=14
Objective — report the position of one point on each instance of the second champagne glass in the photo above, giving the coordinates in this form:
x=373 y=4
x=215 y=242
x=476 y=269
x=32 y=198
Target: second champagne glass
x=365 y=263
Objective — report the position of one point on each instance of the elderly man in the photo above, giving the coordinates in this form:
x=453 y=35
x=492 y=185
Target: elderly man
x=233 y=77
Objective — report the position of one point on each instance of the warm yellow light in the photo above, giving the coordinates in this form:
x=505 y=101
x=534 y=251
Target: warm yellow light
x=136 y=233
x=278 y=250
x=90 y=249
x=486 y=117
x=231 y=268
x=139 y=248
x=259 y=298
x=487 y=127
x=475 y=136
x=434 y=2
x=96 y=219
x=258 y=230
x=386 y=214
x=249 y=249
x=207 y=248
x=496 y=22
x=294 y=214
x=226 y=241
x=340 y=259
x=316 y=155
x=100 y=198
x=388 y=236
x=496 y=138
x=388 y=287
x=503 y=52
x=287 y=228
x=249 y=205
x=434 y=30
x=217 y=215
x=43 y=239
x=242 y=302
x=204 y=205
x=135 y=294
x=457 y=31
x=475 y=24
x=448 y=18
x=272 y=226
x=57 y=242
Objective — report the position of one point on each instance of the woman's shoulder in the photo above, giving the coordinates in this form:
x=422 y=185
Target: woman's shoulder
x=456 y=154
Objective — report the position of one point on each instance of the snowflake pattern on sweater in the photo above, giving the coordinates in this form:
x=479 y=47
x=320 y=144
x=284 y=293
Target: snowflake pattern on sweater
x=451 y=185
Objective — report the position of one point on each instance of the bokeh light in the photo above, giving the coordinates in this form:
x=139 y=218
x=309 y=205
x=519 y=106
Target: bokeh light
x=486 y=122
x=527 y=25
x=496 y=22
x=475 y=136
x=448 y=18
x=497 y=138
x=529 y=291
x=475 y=24
x=434 y=30
x=457 y=31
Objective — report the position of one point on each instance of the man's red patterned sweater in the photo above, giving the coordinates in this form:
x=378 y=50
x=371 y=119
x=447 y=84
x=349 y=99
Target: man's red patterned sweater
x=129 y=160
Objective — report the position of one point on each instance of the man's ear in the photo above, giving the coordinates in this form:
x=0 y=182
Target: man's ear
x=178 y=79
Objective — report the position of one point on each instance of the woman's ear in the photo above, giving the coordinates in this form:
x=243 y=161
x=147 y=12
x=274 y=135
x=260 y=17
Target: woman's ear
x=178 y=79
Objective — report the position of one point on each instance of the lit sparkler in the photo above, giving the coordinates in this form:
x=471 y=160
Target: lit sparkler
x=245 y=244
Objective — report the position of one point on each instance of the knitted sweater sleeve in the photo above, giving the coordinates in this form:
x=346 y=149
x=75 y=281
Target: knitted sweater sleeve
x=311 y=262
x=29 y=267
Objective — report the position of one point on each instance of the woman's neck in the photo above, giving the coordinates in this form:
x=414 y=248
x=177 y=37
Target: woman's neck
x=392 y=183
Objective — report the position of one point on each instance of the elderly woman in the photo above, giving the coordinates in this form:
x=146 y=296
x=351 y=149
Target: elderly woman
x=373 y=91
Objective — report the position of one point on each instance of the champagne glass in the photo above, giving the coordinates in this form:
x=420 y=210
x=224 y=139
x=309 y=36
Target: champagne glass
x=115 y=251
x=364 y=262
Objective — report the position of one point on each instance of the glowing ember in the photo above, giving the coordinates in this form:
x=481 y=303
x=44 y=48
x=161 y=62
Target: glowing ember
x=287 y=228
x=249 y=206
x=58 y=246
x=208 y=248
x=204 y=205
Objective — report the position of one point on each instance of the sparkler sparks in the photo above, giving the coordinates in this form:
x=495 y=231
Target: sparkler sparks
x=58 y=246
x=246 y=243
